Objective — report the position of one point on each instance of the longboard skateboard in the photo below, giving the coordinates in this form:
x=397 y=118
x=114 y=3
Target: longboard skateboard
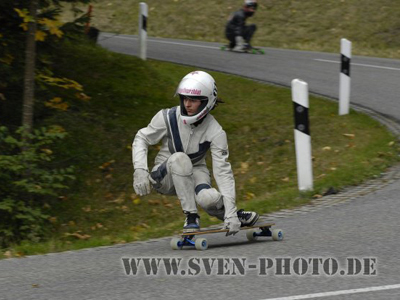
x=252 y=234
x=252 y=50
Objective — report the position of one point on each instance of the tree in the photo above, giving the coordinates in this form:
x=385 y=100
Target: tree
x=30 y=36
x=30 y=62
x=38 y=27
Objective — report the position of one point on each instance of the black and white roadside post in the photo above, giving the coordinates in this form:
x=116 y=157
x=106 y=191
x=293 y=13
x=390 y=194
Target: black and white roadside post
x=302 y=136
x=143 y=13
x=344 y=88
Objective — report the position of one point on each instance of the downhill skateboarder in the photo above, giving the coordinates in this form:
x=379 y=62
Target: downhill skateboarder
x=237 y=32
x=187 y=132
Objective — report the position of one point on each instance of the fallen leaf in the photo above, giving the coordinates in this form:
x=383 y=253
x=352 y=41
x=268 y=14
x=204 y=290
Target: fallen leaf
x=244 y=167
x=53 y=220
x=144 y=225
x=349 y=135
x=120 y=199
x=249 y=196
x=154 y=202
x=327 y=148
x=7 y=254
x=87 y=209
x=78 y=235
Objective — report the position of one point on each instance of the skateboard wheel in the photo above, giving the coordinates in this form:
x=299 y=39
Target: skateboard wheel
x=277 y=234
x=201 y=244
x=176 y=243
x=250 y=234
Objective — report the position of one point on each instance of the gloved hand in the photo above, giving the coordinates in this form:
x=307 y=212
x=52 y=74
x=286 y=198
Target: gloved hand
x=233 y=224
x=141 y=182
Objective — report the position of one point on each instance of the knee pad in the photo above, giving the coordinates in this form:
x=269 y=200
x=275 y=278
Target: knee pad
x=209 y=199
x=180 y=164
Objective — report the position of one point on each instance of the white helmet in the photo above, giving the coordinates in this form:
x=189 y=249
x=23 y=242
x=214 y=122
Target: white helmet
x=197 y=85
x=251 y=3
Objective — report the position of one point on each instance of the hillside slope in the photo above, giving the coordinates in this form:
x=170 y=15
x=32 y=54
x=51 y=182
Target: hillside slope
x=372 y=25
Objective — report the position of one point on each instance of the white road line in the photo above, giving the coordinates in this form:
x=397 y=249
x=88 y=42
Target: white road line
x=338 y=293
x=183 y=44
x=362 y=65
x=166 y=42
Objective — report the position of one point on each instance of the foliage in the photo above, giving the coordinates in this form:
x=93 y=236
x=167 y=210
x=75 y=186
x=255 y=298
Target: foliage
x=28 y=182
x=49 y=38
x=26 y=176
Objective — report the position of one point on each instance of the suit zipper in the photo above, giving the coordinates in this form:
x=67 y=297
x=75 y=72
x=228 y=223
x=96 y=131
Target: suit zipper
x=190 y=137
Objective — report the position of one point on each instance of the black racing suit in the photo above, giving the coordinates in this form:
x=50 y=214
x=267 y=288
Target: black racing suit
x=236 y=26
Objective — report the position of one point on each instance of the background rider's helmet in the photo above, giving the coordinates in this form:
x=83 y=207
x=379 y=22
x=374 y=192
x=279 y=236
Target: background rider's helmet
x=251 y=4
x=197 y=85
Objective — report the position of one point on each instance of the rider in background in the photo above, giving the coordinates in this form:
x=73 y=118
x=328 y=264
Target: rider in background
x=237 y=32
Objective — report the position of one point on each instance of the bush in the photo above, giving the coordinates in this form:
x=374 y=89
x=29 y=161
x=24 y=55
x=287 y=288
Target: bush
x=28 y=183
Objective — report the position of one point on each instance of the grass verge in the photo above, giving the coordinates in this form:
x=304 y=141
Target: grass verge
x=101 y=209
x=372 y=26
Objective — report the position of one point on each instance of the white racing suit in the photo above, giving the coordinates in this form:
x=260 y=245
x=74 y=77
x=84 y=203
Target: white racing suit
x=180 y=167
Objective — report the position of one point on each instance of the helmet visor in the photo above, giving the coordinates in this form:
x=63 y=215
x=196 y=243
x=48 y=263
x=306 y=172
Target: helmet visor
x=203 y=104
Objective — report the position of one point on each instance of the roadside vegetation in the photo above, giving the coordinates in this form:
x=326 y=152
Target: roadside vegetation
x=82 y=194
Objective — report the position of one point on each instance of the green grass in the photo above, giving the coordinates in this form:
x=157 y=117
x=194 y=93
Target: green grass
x=101 y=208
x=318 y=25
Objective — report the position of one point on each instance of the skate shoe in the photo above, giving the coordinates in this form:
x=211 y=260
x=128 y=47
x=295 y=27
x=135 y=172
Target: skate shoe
x=192 y=223
x=247 y=47
x=247 y=218
x=239 y=48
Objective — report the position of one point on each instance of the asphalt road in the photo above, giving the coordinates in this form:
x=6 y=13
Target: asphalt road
x=347 y=251
x=375 y=81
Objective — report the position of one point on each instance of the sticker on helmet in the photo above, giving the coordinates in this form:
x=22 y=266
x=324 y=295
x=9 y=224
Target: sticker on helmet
x=203 y=113
x=215 y=90
x=189 y=91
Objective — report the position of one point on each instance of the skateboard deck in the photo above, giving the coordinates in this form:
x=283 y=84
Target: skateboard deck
x=262 y=229
x=251 y=51
x=216 y=230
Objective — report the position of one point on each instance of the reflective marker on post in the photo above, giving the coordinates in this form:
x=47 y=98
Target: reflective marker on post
x=302 y=135
x=344 y=88
x=143 y=13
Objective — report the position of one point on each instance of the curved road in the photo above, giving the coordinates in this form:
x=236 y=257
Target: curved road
x=322 y=250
